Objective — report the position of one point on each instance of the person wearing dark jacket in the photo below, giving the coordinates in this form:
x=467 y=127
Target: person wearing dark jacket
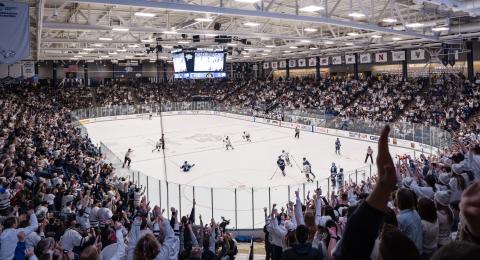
x=303 y=250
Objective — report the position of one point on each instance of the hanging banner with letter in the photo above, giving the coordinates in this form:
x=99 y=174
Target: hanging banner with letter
x=28 y=68
x=15 y=35
x=274 y=65
x=266 y=65
x=365 y=58
x=324 y=61
x=381 y=57
x=312 y=62
x=349 y=59
x=301 y=63
x=398 y=55
x=282 y=64
x=418 y=54
x=337 y=60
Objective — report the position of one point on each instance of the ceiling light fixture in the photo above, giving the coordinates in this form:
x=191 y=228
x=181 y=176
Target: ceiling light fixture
x=396 y=38
x=104 y=39
x=356 y=15
x=170 y=32
x=440 y=29
x=251 y=24
x=204 y=19
x=352 y=34
x=141 y=14
x=88 y=49
x=183 y=42
x=310 y=30
x=247 y=1
x=313 y=48
x=293 y=47
x=270 y=46
x=311 y=8
x=389 y=20
x=132 y=46
x=329 y=42
x=376 y=36
x=414 y=25
x=117 y=29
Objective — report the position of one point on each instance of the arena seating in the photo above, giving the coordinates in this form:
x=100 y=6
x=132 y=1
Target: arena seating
x=60 y=200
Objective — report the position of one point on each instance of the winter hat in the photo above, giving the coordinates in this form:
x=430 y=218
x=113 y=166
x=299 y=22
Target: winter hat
x=443 y=197
x=444 y=178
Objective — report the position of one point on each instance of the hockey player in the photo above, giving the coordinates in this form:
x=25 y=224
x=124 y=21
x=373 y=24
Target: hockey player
x=246 y=136
x=369 y=154
x=333 y=174
x=159 y=145
x=340 y=179
x=127 y=158
x=228 y=143
x=186 y=167
x=307 y=170
x=297 y=132
x=281 y=164
x=286 y=157
x=337 y=146
x=307 y=163
x=150 y=116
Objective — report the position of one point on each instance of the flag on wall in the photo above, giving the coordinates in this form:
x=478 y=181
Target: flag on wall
x=15 y=35
x=324 y=61
x=301 y=63
x=398 y=55
x=292 y=63
x=417 y=54
x=266 y=65
x=312 y=62
x=365 y=58
x=274 y=65
x=381 y=57
x=337 y=60
x=349 y=59
x=282 y=64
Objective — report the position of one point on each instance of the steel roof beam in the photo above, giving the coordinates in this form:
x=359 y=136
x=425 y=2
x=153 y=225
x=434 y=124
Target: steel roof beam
x=181 y=7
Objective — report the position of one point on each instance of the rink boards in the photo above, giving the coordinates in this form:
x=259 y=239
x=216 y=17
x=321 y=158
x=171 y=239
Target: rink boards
x=424 y=148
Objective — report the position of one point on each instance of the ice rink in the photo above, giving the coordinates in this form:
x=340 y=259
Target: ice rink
x=198 y=139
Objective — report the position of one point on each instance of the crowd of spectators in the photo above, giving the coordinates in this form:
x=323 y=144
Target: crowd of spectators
x=59 y=199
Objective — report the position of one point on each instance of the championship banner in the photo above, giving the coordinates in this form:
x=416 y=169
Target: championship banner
x=274 y=65
x=15 y=24
x=301 y=63
x=266 y=65
x=418 y=54
x=282 y=64
x=324 y=61
x=28 y=68
x=337 y=60
x=365 y=58
x=349 y=59
x=381 y=57
x=292 y=63
x=398 y=55
x=312 y=62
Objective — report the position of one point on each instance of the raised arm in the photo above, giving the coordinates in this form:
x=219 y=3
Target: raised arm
x=364 y=224
x=298 y=209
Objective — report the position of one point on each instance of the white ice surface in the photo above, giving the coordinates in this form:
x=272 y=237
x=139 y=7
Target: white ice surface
x=198 y=139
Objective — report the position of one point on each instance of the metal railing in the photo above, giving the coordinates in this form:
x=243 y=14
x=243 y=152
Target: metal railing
x=244 y=206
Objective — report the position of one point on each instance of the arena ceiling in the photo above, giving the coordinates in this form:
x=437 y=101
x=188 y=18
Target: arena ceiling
x=259 y=29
